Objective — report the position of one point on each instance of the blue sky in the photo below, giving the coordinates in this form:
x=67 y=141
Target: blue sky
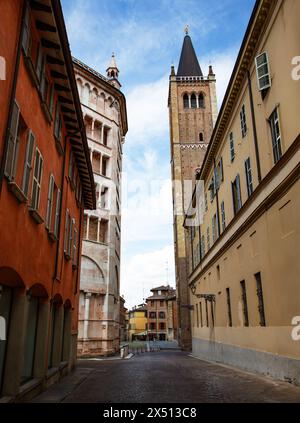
x=147 y=36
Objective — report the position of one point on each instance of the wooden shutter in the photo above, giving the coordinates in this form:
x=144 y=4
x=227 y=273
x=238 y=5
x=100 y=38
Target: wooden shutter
x=238 y=190
x=37 y=178
x=39 y=63
x=12 y=140
x=66 y=240
x=28 y=162
x=57 y=213
x=49 y=202
x=72 y=223
x=26 y=32
x=51 y=102
x=74 y=252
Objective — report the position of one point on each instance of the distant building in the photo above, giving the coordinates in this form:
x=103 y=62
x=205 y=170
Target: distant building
x=42 y=138
x=162 y=314
x=105 y=118
x=138 y=323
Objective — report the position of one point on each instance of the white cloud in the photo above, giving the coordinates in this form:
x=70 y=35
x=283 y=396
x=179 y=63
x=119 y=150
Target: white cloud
x=142 y=272
x=147 y=111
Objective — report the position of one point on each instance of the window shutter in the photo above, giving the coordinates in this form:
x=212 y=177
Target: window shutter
x=28 y=162
x=75 y=246
x=49 y=202
x=71 y=164
x=263 y=72
x=221 y=170
x=13 y=133
x=70 y=243
x=66 y=240
x=57 y=213
x=43 y=79
x=51 y=103
x=26 y=32
x=37 y=177
x=238 y=189
x=39 y=63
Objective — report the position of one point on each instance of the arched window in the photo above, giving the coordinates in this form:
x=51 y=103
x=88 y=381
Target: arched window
x=201 y=101
x=201 y=137
x=186 y=103
x=193 y=101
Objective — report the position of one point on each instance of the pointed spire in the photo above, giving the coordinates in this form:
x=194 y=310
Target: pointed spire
x=188 y=65
x=113 y=72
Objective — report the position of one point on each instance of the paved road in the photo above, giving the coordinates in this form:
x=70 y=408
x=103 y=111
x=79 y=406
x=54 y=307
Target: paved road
x=165 y=377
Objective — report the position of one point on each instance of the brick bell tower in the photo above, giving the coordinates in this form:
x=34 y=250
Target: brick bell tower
x=192 y=112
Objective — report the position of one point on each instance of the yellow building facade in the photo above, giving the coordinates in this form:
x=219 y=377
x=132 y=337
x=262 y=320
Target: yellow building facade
x=244 y=257
x=138 y=323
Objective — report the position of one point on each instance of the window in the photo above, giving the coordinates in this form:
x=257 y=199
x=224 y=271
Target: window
x=11 y=156
x=263 y=71
x=162 y=315
x=206 y=313
x=37 y=180
x=201 y=137
x=104 y=198
x=152 y=326
x=161 y=303
x=57 y=123
x=152 y=303
x=276 y=135
x=243 y=121
x=71 y=234
x=231 y=146
x=193 y=101
x=96 y=161
x=201 y=101
x=245 y=304
x=93 y=228
x=229 y=307
x=201 y=317
x=152 y=315
x=206 y=202
x=30 y=340
x=49 y=203
x=71 y=166
x=197 y=315
x=212 y=189
x=105 y=136
x=39 y=63
x=28 y=163
x=67 y=229
x=261 y=307
x=208 y=239
x=186 y=103
x=105 y=161
x=215 y=231
x=219 y=174
x=249 y=177
x=26 y=32
x=74 y=246
x=103 y=231
x=162 y=326
x=236 y=195
x=223 y=216
x=202 y=246
x=57 y=213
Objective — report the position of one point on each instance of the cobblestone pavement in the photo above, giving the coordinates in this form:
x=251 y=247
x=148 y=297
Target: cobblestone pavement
x=165 y=377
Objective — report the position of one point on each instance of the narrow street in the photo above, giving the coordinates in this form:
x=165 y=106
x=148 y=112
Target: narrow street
x=165 y=377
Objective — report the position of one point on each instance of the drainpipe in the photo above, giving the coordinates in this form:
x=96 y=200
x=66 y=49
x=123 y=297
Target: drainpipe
x=12 y=95
x=254 y=128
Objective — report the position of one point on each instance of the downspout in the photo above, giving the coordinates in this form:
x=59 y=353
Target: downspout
x=60 y=211
x=254 y=128
x=80 y=238
x=12 y=95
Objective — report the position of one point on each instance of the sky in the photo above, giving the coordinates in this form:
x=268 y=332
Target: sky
x=146 y=37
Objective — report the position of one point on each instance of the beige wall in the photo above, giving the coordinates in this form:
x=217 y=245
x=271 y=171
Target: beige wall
x=265 y=235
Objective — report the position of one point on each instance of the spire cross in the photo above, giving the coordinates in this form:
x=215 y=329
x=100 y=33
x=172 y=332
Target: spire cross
x=186 y=29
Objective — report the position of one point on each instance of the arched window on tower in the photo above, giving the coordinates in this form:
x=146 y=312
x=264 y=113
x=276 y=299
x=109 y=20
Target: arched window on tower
x=186 y=103
x=201 y=137
x=201 y=101
x=193 y=101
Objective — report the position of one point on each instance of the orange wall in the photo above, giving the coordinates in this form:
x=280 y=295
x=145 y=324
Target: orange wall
x=24 y=245
x=11 y=12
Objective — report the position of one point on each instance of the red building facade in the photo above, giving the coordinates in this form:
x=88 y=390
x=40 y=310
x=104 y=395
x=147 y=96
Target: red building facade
x=46 y=181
